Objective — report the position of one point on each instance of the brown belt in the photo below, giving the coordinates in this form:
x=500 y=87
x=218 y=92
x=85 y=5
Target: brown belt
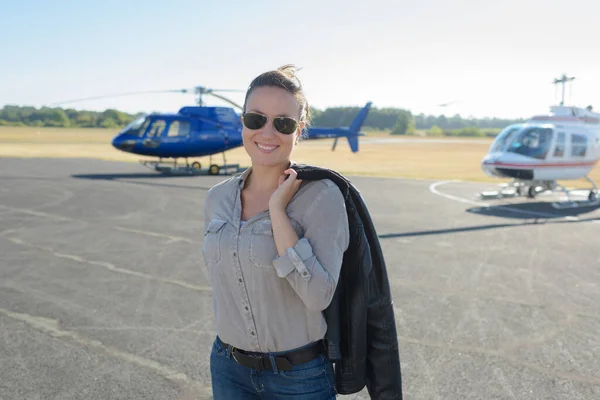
x=284 y=362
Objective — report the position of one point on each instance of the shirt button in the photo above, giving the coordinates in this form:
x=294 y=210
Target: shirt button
x=240 y=279
x=252 y=333
x=246 y=308
x=234 y=254
x=304 y=273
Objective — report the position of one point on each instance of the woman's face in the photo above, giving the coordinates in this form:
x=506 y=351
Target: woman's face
x=266 y=146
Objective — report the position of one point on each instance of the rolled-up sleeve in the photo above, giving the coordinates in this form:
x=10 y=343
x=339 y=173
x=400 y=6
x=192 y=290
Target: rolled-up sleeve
x=294 y=259
x=312 y=266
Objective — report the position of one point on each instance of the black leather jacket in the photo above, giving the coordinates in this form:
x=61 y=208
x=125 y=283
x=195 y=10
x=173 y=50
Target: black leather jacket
x=361 y=336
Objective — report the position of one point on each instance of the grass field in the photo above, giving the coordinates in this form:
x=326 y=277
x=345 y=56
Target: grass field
x=427 y=160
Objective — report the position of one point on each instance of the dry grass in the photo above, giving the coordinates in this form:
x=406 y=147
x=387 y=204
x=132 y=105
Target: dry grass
x=458 y=160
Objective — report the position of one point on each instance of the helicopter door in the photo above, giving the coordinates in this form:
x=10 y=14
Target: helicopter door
x=154 y=132
x=560 y=146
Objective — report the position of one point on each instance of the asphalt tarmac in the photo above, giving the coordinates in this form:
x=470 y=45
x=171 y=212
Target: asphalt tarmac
x=103 y=293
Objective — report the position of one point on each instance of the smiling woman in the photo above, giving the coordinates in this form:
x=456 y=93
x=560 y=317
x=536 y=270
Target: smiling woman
x=273 y=247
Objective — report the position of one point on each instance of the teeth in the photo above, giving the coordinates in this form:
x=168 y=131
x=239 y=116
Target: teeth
x=262 y=146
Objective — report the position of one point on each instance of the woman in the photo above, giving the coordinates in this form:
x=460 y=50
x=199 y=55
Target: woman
x=273 y=247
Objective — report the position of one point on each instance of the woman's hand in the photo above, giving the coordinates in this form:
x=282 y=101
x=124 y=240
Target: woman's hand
x=286 y=189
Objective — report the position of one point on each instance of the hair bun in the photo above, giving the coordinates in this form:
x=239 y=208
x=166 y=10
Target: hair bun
x=290 y=70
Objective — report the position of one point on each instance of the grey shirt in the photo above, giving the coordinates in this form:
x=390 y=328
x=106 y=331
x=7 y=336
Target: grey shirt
x=263 y=302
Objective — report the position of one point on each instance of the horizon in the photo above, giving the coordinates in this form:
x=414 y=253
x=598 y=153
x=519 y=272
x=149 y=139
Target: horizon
x=83 y=109
x=487 y=60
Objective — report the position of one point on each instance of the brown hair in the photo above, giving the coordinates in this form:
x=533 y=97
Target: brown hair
x=285 y=78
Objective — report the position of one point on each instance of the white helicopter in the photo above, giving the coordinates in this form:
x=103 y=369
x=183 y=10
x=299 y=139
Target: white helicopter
x=561 y=145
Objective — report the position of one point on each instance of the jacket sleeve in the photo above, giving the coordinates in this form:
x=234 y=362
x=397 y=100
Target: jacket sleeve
x=312 y=266
x=384 y=378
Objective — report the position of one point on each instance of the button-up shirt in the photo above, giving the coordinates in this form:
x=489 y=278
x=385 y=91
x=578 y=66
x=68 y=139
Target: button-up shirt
x=264 y=302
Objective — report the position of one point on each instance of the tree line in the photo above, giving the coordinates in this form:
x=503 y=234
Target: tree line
x=63 y=118
x=402 y=121
x=398 y=121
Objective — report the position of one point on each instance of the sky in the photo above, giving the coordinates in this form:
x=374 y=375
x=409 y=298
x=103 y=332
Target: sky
x=491 y=59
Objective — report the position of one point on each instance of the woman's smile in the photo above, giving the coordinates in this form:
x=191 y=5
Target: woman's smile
x=266 y=148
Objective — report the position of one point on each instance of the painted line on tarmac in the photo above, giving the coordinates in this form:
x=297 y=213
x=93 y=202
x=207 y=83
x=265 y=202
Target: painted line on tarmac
x=170 y=238
x=433 y=188
x=109 y=266
x=52 y=328
x=503 y=355
x=37 y=213
x=155 y=234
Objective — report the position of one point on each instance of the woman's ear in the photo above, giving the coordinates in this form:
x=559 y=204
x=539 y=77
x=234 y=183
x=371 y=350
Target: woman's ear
x=300 y=129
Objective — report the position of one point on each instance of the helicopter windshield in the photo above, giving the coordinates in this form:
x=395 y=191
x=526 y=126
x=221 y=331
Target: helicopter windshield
x=504 y=137
x=531 y=142
x=137 y=127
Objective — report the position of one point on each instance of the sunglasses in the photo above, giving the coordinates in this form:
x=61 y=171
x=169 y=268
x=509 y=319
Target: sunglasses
x=285 y=125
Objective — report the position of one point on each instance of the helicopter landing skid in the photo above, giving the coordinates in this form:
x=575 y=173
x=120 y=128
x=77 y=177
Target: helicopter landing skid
x=531 y=189
x=564 y=205
x=513 y=189
x=172 y=168
x=593 y=199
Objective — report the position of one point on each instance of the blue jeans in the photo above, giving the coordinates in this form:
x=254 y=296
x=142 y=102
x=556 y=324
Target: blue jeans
x=314 y=380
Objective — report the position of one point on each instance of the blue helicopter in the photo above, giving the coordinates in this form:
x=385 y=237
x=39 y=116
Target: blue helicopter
x=198 y=131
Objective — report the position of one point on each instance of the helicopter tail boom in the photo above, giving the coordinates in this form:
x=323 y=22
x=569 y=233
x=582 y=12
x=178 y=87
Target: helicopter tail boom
x=360 y=119
x=351 y=133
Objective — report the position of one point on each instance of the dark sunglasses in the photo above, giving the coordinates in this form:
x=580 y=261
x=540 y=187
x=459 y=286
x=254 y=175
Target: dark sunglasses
x=285 y=125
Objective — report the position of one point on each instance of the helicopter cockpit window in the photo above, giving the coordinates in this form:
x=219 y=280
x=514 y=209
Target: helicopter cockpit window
x=504 y=137
x=532 y=142
x=137 y=127
x=578 y=145
x=178 y=128
x=157 y=128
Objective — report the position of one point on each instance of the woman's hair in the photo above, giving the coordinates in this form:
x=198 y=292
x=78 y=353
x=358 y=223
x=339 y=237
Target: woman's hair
x=285 y=78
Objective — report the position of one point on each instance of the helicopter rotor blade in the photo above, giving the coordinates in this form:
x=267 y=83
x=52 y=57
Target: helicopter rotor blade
x=226 y=99
x=447 y=104
x=120 y=95
x=205 y=90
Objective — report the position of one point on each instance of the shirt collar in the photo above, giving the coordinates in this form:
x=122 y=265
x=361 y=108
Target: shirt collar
x=242 y=178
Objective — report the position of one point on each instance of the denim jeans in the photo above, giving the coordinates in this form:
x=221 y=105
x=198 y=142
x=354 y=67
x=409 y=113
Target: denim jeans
x=313 y=380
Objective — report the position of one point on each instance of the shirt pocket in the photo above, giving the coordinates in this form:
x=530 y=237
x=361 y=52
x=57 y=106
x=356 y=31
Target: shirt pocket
x=212 y=240
x=262 y=243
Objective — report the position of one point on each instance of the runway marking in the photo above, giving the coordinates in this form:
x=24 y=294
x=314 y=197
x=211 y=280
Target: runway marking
x=155 y=234
x=38 y=213
x=171 y=238
x=52 y=328
x=433 y=189
x=109 y=266
x=506 y=357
